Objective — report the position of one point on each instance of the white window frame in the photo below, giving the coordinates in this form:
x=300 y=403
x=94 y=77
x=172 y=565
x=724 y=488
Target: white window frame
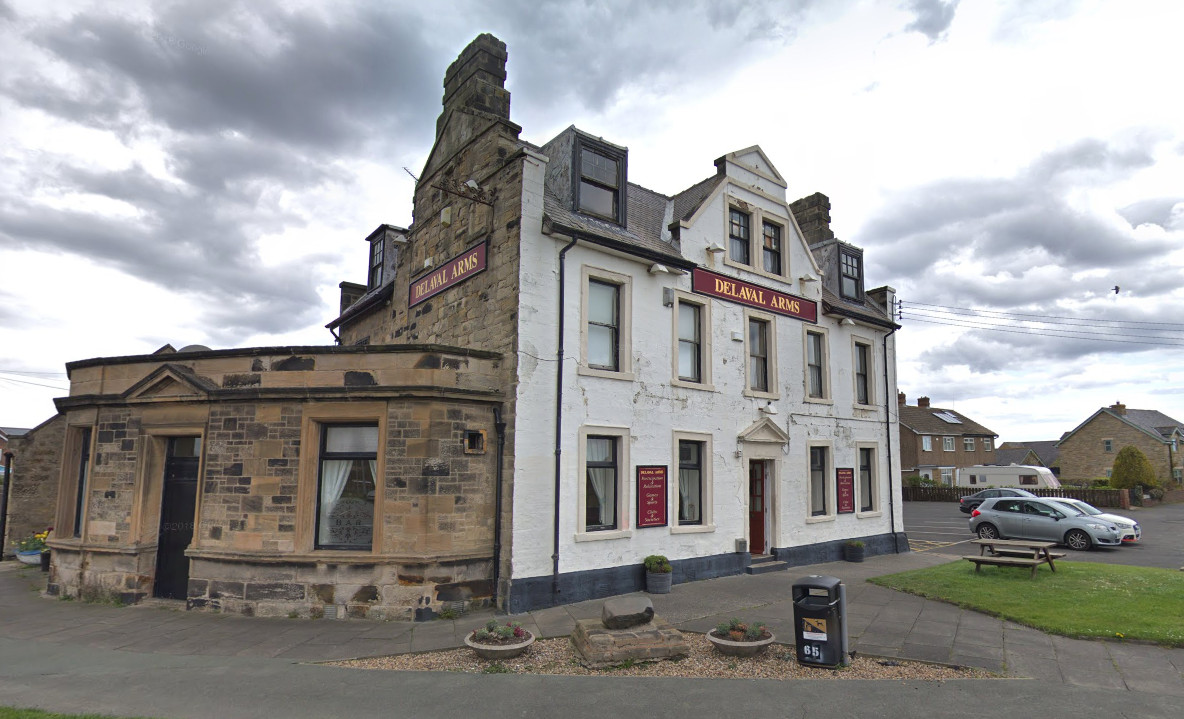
x=968 y=444
x=774 y=391
x=948 y=444
x=1108 y=446
x=829 y=480
x=624 y=475
x=988 y=443
x=856 y=342
x=624 y=283
x=706 y=512
x=757 y=217
x=926 y=443
x=876 y=506
x=808 y=330
x=946 y=473
x=705 y=349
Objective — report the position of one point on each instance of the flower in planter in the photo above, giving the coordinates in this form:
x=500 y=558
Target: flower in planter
x=494 y=633
x=739 y=631
x=35 y=543
x=657 y=564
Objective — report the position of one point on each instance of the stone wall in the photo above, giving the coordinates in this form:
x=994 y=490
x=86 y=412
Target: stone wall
x=36 y=468
x=1083 y=455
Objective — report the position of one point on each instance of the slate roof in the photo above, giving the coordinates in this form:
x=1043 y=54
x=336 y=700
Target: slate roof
x=865 y=310
x=1010 y=455
x=688 y=201
x=1153 y=422
x=641 y=230
x=922 y=420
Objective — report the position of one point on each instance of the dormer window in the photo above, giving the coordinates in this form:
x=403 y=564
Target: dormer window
x=375 y=275
x=602 y=178
x=850 y=275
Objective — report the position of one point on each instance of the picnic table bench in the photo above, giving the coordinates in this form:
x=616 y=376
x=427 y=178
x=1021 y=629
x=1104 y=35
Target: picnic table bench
x=1013 y=553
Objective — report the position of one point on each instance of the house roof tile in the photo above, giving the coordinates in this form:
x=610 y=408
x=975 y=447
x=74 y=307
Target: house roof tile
x=924 y=420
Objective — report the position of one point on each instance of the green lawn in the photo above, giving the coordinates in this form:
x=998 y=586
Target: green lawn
x=11 y=713
x=1081 y=599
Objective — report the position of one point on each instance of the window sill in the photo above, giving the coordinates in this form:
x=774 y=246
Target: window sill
x=866 y=407
x=692 y=385
x=600 y=536
x=820 y=518
x=868 y=515
x=757 y=394
x=692 y=529
x=607 y=374
x=818 y=400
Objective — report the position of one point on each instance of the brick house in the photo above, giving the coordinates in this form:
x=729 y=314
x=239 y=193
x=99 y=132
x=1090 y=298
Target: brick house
x=551 y=373
x=934 y=442
x=1088 y=451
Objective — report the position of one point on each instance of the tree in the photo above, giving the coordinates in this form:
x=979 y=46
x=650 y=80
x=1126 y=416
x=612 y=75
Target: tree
x=1132 y=469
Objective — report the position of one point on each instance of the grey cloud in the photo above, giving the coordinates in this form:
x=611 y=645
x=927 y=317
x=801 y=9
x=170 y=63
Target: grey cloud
x=933 y=17
x=1013 y=224
x=1155 y=211
x=566 y=53
x=196 y=69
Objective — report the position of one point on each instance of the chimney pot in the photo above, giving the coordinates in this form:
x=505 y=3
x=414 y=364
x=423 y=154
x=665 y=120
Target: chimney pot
x=901 y=399
x=1118 y=407
x=922 y=401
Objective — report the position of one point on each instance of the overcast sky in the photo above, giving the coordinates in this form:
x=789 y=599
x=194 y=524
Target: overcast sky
x=206 y=172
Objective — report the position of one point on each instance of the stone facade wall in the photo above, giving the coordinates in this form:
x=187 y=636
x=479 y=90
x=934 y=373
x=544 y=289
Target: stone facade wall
x=253 y=545
x=1083 y=455
x=36 y=464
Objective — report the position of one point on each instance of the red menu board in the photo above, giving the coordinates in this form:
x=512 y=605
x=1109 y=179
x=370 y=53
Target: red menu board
x=845 y=483
x=651 y=496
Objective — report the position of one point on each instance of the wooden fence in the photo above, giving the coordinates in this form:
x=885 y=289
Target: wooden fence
x=1118 y=498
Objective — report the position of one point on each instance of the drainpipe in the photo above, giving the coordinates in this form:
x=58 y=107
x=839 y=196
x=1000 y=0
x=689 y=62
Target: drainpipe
x=888 y=400
x=4 y=500
x=559 y=422
x=500 y=427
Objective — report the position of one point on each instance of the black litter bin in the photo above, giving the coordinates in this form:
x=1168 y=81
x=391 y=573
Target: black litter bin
x=819 y=624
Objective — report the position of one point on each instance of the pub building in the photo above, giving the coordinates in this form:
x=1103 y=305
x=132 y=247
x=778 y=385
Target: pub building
x=549 y=374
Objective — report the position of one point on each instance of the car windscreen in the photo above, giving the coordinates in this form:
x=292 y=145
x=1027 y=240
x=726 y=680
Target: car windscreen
x=1073 y=509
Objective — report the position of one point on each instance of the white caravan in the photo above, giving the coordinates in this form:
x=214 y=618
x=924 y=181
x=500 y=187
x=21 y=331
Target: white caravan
x=1014 y=475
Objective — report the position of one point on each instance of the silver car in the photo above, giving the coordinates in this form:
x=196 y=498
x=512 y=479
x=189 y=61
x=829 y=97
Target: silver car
x=1042 y=520
x=1129 y=528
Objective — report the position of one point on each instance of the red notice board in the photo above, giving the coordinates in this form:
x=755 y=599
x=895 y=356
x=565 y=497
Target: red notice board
x=845 y=484
x=651 y=495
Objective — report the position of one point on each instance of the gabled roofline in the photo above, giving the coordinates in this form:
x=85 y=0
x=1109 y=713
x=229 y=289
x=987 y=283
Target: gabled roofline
x=1117 y=416
x=731 y=157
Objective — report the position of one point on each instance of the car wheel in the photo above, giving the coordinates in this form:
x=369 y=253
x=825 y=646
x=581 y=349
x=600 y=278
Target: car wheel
x=987 y=531
x=1079 y=540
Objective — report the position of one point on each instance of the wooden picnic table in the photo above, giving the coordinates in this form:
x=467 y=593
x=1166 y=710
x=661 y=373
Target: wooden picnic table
x=1014 y=553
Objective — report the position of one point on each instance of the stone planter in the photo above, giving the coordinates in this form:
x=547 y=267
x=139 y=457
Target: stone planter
x=499 y=651
x=658 y=582
x=853 y=554
x=730 y=648
x=29 y=557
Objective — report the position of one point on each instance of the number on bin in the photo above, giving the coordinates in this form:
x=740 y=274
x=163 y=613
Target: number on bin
x=812 y=651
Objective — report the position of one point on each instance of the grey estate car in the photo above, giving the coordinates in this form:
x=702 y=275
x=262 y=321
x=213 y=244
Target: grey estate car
x=1043 y=520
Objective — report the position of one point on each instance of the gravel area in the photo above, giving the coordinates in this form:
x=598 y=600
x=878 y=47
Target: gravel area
x=557 y=656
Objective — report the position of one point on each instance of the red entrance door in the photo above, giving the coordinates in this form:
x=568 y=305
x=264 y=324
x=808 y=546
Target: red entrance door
x=756 y=507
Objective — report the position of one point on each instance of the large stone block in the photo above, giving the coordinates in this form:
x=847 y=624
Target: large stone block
x=599 y=646
x=625 y=612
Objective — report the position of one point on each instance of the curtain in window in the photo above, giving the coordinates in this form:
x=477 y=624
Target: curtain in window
x=688 y=493
x=604 y=486
x=334 y=474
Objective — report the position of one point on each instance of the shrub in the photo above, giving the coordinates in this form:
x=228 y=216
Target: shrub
x=658 y=564
x=916 y=480
x=1132 y=469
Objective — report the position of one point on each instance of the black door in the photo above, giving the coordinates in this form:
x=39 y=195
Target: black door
x=178 y=507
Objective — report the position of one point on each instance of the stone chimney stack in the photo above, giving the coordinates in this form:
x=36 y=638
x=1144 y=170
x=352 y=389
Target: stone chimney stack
x=1118 y=407
x=901 y=399
x=922 y=401
x=476 y=80
x=813 y=216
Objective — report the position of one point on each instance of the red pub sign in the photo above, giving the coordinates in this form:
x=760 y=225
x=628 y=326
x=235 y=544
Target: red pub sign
x=845 y=483
x=457 y=270
x=651 y=495
x=705 y=282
